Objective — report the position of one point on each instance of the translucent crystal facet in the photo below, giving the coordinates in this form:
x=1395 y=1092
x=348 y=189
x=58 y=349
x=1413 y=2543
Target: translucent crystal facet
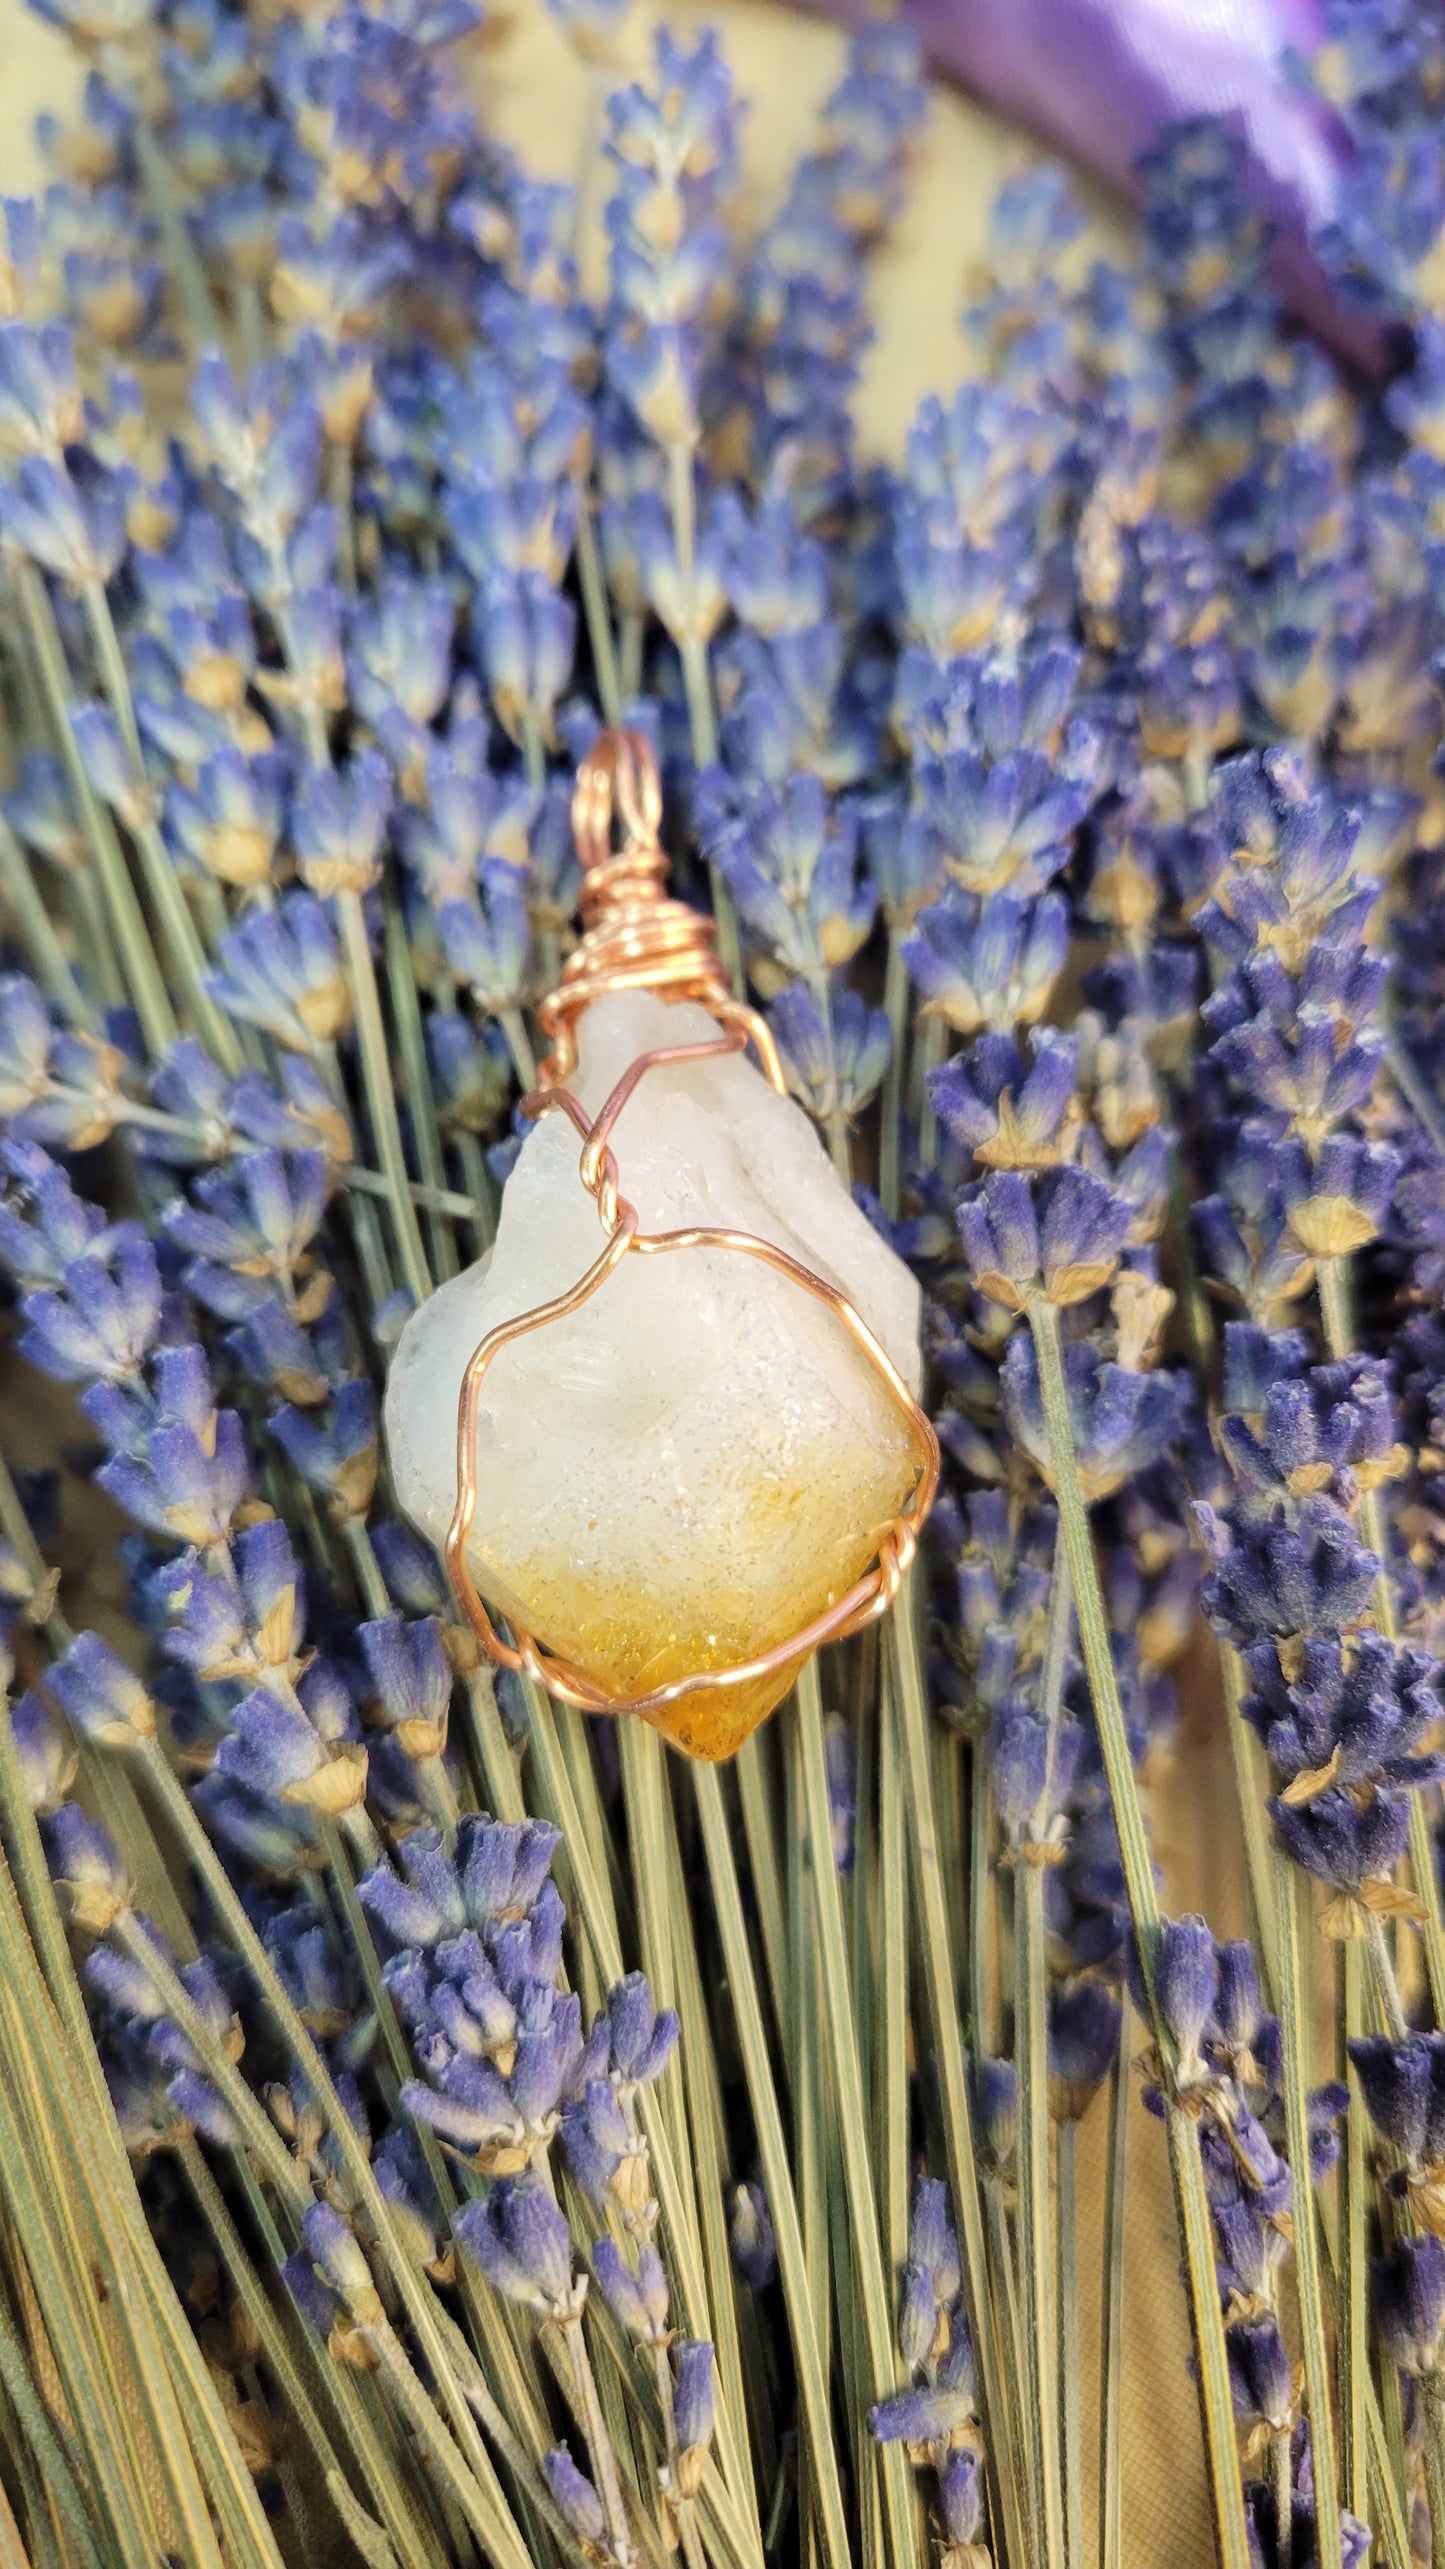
x=699 y=1461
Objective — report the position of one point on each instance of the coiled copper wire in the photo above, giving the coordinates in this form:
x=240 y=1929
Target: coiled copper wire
x=637 y=937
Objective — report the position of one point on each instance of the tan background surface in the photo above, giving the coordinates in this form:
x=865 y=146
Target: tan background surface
x=785 y=67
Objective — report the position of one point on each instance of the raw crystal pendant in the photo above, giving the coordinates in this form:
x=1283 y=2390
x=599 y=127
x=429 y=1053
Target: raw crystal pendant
x=690 y=1446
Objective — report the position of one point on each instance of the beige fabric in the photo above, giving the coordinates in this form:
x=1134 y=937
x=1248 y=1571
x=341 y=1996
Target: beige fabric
x=785 y=65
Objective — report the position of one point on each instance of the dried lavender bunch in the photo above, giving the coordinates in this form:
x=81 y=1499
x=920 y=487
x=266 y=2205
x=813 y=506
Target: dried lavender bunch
x=1063 y=794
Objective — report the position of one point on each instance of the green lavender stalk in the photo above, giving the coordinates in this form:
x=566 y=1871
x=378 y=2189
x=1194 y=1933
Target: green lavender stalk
x=1213 y=2371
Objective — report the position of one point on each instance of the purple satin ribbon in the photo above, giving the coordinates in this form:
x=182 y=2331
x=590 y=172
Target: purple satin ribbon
x=1101 y=78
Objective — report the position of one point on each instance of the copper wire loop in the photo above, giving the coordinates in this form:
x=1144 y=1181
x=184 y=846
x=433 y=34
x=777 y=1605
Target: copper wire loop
x=637 y=937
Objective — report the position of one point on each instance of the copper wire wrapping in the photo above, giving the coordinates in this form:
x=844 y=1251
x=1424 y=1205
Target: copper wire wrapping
x=637 y=937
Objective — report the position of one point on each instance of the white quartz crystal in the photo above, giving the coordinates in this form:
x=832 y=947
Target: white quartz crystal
x=688 y=1469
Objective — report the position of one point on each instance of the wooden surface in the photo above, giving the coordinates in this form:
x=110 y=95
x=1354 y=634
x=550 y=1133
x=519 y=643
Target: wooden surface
x=785 y=65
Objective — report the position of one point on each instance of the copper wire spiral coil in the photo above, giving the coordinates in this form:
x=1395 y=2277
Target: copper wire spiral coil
x=636 y=937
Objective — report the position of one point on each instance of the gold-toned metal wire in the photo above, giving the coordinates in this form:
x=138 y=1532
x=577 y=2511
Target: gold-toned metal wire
x=637 y=937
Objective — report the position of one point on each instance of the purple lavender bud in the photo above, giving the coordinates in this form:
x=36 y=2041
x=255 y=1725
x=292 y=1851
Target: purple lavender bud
x=999 y=1232
x=1313 y=1577
x=835 y=1050
x=107 y=765
x=1084 y=2020
x=576 y=2500
x=46 y=1758
x=103 y=1323
x=338 y=821
x=77 y=535
x=1341 y=1204
x=339 y=2259
x=1407 y=2289
x=960 y=2492
x=693 y=2393
x=526 y=634
x=988 y=964
x=1238 y=2008
x=1261 y=2377
x=932 y=2241
x=410 y=1568
x=520 y=2241
x=102 y=1697
x=283 y=973
x=1342 y=1844
x=1122 y=1421
x=503 y=1866
x=336 y=1452
x=638 y=2298
x=427 y=1905
x=1403 y=2085
x=319 y=2307
x=1186 y=1982
x=602 y=2147
x=412 y=1680
x=842 y=1790
x=994 y=2089
x=276 y=1753
x=86 y=1864
x=642 y=2039
x=1011 y=1107
x=928 y=2415
x=750 y=2235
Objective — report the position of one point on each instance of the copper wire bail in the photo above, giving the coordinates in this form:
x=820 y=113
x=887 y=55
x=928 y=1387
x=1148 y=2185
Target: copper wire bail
x=637 y=937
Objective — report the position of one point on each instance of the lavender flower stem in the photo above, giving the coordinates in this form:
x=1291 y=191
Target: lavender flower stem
x=777 y=2175
x=523 y=1059
x=1038 y=2241
x=760 y=1839
x=1385 y=2485
x=1292 y=1896
x=599 y=2443
x=142 y=975
x=50 y=2456
x=895 y=1001
x=380 y=1097
x=72 y=2261
x=980 y=1894
x=211 y=2204
x=928 y=1890
x=1213 y=2371
x=890 y=2068
x=681 y=2507
x=251 y=317
x=559 y=1799
x=629 y=656
x=1249 y=1794
x=594 y=600
x=1435 y=2473
x=852 y=2112
x=477 y=2494
x=1283 y=2498
x=374 y=1590
x=177 y=925
x=411 y=1039
x=158 y=179
x=39 y=935
x=40 y=1908
x=697 y=681
x=340 y=474
x=1070 y=2378
x=174 y=1803
x=1336 y=1312
x=1353 y=2325
x=1111 y=2405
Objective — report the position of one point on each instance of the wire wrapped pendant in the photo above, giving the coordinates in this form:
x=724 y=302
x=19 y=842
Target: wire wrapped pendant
x=696 y=1453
